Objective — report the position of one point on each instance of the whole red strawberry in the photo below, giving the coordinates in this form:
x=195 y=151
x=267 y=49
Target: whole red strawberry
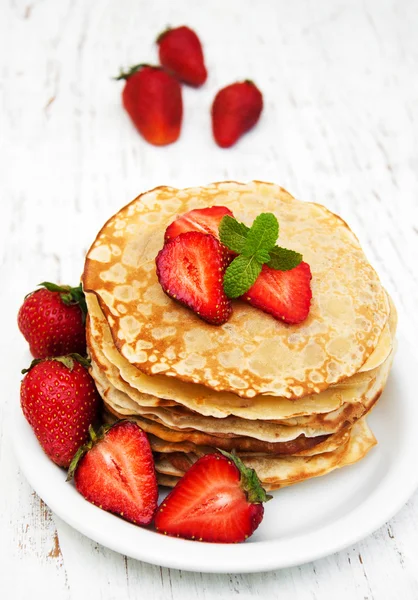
x=181 y=54
x=235 y=110
x=152 y=98
x=219 y=499
x=52 y=320
x=60 y=402
x=115 y=471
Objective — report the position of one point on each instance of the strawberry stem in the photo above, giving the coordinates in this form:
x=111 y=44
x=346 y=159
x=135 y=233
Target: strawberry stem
x=67 y=361
x=250 y=482
x=92 y=434
x=162 y=34
x=35 y=362
x=69 y=295
x=83 y=360
x=131 y=71
x=76 y=459
x=95 y=439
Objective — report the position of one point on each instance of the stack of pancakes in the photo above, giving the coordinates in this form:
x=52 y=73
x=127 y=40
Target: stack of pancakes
x=291 y=400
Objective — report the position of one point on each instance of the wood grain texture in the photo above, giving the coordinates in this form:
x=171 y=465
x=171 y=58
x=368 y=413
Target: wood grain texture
x=339 y=127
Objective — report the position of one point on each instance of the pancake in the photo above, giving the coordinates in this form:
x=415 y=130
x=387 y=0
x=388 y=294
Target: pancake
x=277 y=472
x=167 y=480
x=147 y=390
x=291 y=400
x=162 y=446
x=293 y=441
x=158 y=336
x=225 y=442
x=267 y=431
x=290 y=470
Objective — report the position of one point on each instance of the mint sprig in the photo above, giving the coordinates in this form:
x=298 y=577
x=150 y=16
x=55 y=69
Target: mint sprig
x=256 y=246
x=283 y=259
x=240 y=275
x=233 y=234
x=262 y=236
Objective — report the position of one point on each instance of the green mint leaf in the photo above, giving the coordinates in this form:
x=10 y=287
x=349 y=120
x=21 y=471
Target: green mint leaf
x=241 y=275
x=255 y=246
x=233 y=234
x=283 y=259
x=262 y=256
x=262 y=235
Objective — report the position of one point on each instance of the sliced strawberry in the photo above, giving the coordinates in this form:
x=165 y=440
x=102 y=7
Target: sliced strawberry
x=116 y=472
x=284 y=294
x=205 y=220
x=190 y=269
x=217 y=500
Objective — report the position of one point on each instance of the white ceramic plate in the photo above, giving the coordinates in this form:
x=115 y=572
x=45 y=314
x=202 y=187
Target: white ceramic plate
x=302 y=523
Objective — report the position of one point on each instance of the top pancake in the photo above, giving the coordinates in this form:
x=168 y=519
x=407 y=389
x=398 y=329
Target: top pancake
x=252 y=353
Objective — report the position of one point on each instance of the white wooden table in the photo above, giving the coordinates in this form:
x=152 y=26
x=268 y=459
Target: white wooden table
x=339 y=127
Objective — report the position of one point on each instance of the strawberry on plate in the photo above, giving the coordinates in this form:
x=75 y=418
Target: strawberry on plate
x=60 y=401
x=219 y=499
x=190 y=269
x=115 y=471
x=205 y=220
x=152 y=98
x=181 y=54
x=284 y=294
x=51 y=320
x=235 y=110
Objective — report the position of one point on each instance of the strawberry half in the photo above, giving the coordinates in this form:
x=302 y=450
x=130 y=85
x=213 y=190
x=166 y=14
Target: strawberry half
x=190 y=270
x=115 y=471
x=181 y=54
x=205 y=220
x=284 y=294
x=152 y=98
x=219 y=499
x=235 y=110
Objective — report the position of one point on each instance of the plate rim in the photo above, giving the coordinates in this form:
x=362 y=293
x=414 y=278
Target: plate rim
x=250 y=557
